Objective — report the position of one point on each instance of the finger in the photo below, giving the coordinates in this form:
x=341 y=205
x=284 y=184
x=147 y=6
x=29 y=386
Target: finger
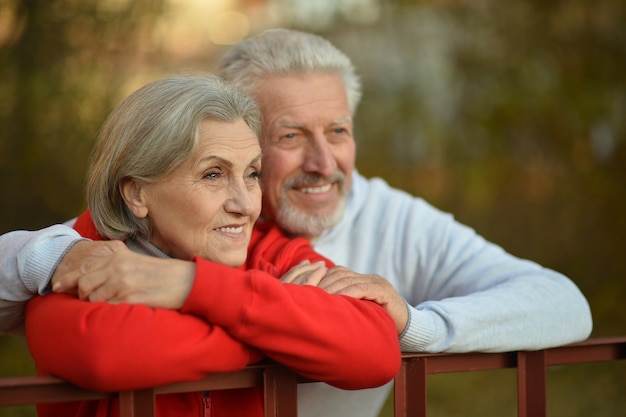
x=370 y=287
x=88 y=284
x=83 y=258
x=67 y=279
x=296 y=271
x=313 y=277
x=337 y=277
x=292 y=273
x=360 y=290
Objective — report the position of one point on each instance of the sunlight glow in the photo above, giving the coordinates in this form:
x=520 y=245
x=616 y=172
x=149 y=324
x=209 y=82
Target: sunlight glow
x=228 y=27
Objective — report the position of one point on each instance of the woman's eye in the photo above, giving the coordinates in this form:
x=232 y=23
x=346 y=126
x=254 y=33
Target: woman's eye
x=254 y=175
x=212 y=175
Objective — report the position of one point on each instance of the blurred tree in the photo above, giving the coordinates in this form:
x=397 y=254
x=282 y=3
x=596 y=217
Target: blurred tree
x=61 y=66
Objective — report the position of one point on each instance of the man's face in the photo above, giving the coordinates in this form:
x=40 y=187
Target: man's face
x=308 y=151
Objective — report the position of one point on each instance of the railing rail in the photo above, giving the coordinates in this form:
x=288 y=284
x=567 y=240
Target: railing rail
x=280 y=384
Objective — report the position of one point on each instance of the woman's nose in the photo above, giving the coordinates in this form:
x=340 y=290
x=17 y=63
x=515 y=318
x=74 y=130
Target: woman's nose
x=242 y=199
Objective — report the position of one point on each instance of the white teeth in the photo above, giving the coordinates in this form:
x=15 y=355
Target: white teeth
x=238 y=229
x=315 y=190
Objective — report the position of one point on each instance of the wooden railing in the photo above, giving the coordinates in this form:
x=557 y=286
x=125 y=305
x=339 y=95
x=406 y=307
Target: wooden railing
x=280 y=384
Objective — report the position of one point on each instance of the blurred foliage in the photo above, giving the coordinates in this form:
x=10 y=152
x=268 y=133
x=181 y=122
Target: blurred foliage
x=61 y=67
x=513 y=118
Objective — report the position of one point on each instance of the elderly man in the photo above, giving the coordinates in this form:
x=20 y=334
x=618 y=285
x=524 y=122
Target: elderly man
x=446 y=288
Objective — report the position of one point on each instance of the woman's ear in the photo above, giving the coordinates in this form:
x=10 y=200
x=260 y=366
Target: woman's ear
x=133 y=194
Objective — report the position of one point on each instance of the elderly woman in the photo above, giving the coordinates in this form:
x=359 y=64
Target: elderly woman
x=175 y=174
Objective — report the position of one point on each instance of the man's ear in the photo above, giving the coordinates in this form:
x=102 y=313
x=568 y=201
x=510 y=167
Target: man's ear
x=133 y=194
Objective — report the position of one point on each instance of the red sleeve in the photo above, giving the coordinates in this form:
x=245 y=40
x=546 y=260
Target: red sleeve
x=85 y=226
x=345 y=342
x=118 y=347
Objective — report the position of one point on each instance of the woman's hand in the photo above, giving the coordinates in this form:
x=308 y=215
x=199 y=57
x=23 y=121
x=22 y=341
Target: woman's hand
x=343 y=281
x=305 y=273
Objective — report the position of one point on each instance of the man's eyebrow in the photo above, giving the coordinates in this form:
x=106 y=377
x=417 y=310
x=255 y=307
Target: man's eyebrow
x=300 y=125
x=340 y=121
x=291 y=125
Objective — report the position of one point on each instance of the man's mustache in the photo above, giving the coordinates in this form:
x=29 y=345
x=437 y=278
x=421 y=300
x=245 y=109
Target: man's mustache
x=313 y=179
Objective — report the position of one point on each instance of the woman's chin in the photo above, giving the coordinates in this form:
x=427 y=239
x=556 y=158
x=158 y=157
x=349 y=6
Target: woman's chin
x=230 y=260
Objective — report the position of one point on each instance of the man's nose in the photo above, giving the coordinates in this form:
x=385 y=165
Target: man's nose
x=319 y=157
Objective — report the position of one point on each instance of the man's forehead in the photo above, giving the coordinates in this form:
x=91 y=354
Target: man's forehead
x=300 y=88
x=301 y=100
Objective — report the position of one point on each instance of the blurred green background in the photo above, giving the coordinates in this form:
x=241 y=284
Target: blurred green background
x=510 y=115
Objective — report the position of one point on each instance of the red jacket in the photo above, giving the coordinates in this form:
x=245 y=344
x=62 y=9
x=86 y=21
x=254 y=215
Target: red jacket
x=233 y=317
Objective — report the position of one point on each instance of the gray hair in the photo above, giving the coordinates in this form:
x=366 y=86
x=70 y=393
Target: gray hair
x=150 y=134
x=283 y=51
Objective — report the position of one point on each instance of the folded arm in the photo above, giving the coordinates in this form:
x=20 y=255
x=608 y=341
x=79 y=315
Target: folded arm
x=319 y=335
x=109 y=347
x=27 y=262
x=222 y=324
x=478 y=297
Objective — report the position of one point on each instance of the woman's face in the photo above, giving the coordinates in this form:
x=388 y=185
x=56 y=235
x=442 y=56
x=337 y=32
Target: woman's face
x=207 y=207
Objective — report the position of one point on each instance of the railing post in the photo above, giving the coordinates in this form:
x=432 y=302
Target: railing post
x=138 y=403
x=280 y=389
x=411 y=388
x=531 y=384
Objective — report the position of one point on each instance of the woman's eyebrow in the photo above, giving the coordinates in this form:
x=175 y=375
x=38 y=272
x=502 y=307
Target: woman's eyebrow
x=226 y=162
x=215 y=158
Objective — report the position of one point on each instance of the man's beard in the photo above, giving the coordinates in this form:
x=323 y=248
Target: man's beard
x=295 y=222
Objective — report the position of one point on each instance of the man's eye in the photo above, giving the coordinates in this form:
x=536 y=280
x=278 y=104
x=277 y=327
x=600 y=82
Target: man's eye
x=289 y=136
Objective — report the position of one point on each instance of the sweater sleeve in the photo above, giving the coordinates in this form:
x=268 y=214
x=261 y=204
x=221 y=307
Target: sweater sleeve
x=470 y=294
x=27 y=262
x=118 y=347
x=348 y=343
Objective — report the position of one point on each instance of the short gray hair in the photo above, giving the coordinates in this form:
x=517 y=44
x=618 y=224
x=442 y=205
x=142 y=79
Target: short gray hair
x=151 y=133
x=283 y=51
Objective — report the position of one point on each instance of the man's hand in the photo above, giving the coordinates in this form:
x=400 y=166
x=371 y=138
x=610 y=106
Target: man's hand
x=109 y=271
x=84 y=257
x=340 y=280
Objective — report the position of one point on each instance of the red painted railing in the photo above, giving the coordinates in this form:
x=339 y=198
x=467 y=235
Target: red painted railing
x=411 y=382
x=280 y=384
